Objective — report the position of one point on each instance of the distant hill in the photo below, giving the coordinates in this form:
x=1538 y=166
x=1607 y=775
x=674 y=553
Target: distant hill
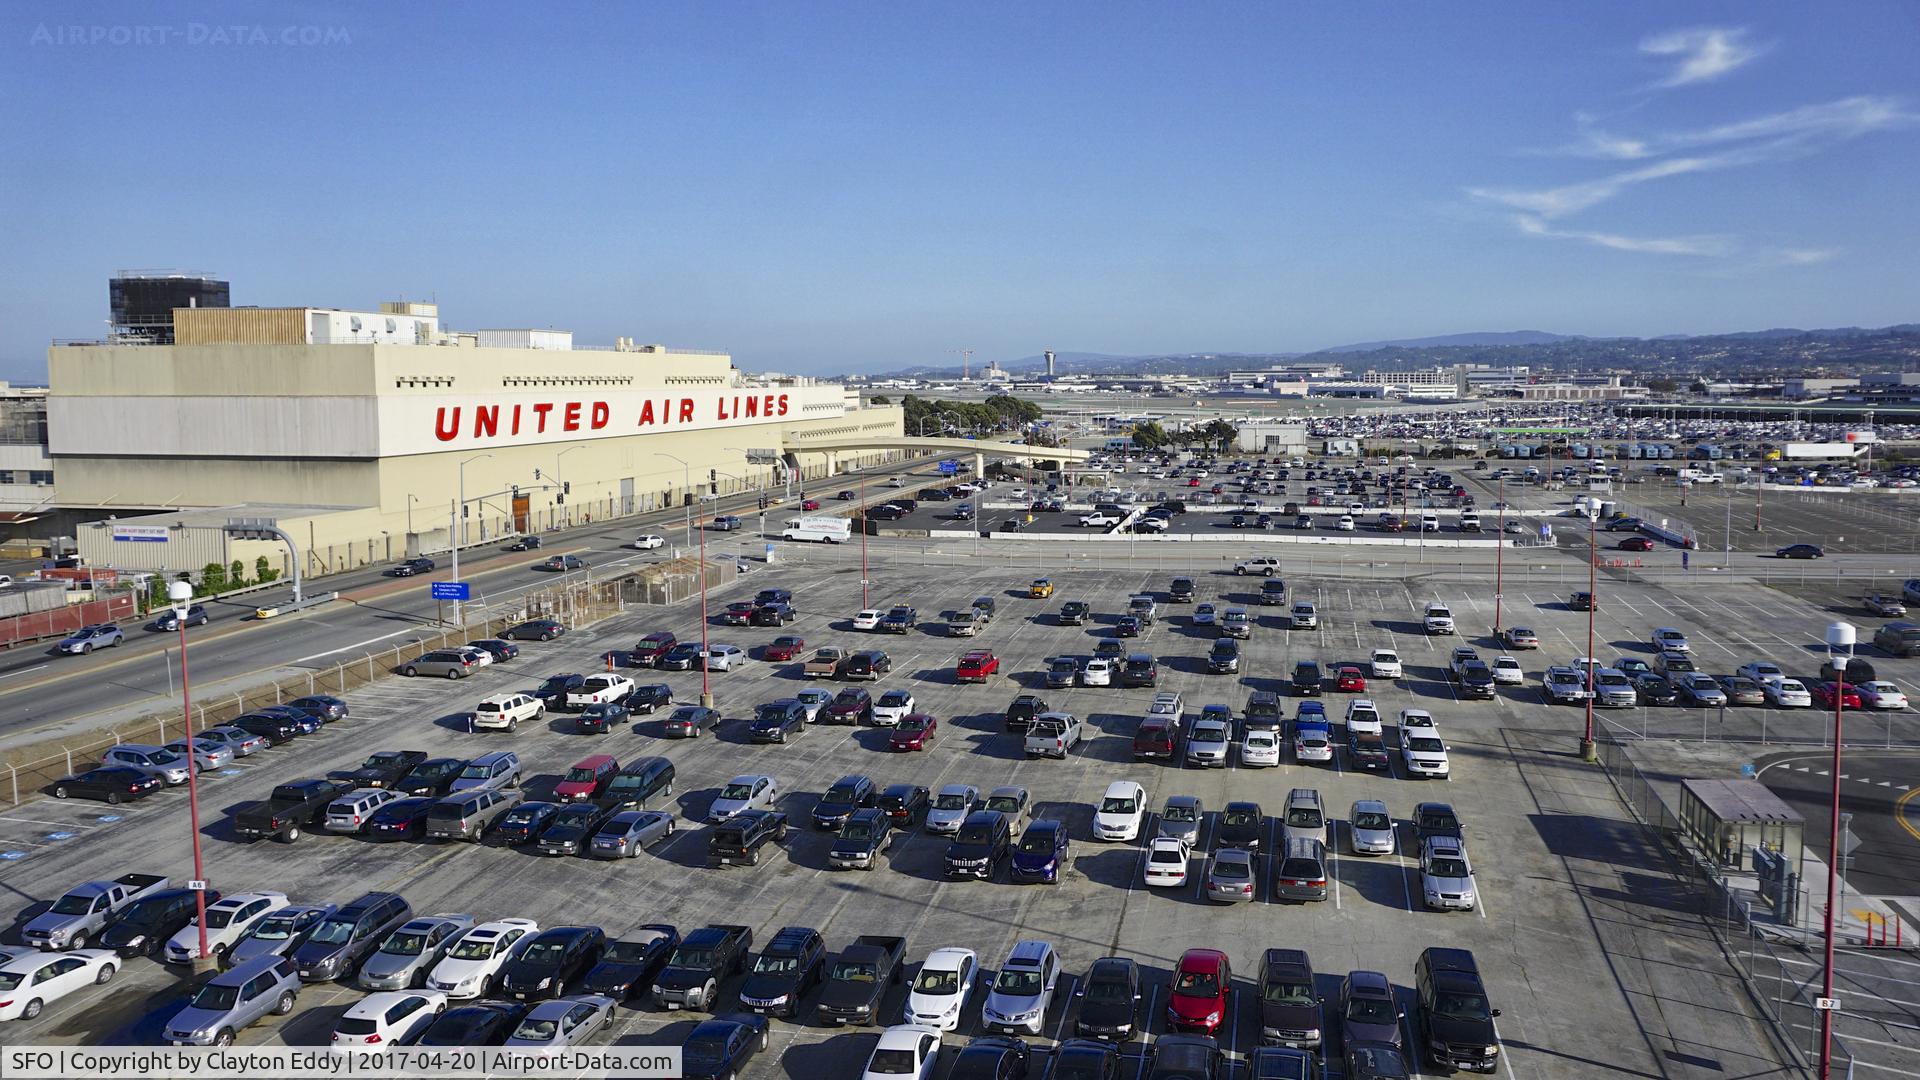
x=1491 y=337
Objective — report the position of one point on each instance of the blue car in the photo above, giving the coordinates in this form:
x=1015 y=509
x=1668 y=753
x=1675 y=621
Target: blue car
x=1041 y=853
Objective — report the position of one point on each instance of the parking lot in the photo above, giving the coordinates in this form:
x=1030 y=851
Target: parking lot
x=1594 y=960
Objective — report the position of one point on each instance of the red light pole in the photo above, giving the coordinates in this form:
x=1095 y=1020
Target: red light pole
x=1499 y=554
x=1588 y=749
x=181 y=594
x=1839 y=635
x=706 y=686
x=863 y=540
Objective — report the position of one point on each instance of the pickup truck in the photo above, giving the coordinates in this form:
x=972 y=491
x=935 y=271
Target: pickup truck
x=383 y=769
x=826 y=663
x=740 y=839
x=288 y=809
x=976 y=666
x=858 y=978
x=1099 y=519
x=85 y=910
x=599 y=690
x=1053 y=734
x=691 y=978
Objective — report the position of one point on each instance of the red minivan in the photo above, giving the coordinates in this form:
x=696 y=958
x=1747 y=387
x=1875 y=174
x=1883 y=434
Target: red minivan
x=1154 y=739
x=587 y=779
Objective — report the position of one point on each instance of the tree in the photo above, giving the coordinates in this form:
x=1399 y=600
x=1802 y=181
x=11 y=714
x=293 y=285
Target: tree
x=1150 y=435
x=263 y=570
x=213 y=578
x=237 y=574
x=879 y=399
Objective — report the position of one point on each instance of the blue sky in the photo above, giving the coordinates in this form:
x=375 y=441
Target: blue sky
x=856 y=187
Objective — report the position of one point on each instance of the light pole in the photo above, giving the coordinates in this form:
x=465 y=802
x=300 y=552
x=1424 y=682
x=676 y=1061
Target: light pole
x=460 y=524
x=180 y=594
x=1499 y=556
x=686 y=489
x=863 y=540
x=706 y=686
x=411 y=499
x=564 y=515
x=763 y=486
x=1840 y=635
x=1588 y=750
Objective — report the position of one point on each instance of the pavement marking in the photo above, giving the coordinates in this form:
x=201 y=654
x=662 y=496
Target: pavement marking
x=22 y=671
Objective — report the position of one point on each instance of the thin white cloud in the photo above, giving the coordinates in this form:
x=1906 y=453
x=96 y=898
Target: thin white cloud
x=1572 y=198
x=1701 y=246
x=1704 y=53
x=1831 y=121
x=1808 y=256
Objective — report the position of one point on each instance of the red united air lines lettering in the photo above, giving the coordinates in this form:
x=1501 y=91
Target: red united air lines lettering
x=492 y=421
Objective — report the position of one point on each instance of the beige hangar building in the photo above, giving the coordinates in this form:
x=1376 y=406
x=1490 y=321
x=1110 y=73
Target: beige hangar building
x=348 y=431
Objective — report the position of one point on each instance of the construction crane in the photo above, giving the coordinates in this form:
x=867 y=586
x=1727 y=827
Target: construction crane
x=966 y=363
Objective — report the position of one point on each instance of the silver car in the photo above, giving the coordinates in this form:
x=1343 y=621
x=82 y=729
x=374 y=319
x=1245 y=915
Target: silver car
x=403 y=960
x=1022 y=990
x=626 y=833
x=1446 y=878
x=152 y=760
x=567 y=1021
x=231 y=1000
x=1230 y=876
x=279 y=933
x=1370 y=828
x=1181 y=818
x=749 y=791
x=207 y=753
x=951 y=806
x=242 y=743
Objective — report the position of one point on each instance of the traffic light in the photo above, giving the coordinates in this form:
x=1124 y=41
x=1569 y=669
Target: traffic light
x=536 y=474
x=566 y=487
x=516 y=491
x=713 y=475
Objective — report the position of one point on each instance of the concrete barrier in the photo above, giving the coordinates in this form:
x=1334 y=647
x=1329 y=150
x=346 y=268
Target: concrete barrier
x=1322 y=541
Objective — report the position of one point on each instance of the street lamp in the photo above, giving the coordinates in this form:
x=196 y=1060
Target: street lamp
x=1840 y=636
x=180 y=595
x=1499 y=554
x=411 y=499
x=460 y=523
x=1588 y=750
x=686 y=492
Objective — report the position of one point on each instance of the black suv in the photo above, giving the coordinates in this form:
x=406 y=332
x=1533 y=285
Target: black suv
x=774 y=614
x=867 y=835
x=1020 y=714
x=1139 y=670
x=1306 y=679
x=794 y=962
x=1181 y=591
x=1476 y=679
x=849 y=793
x=1289 y=1008
x=740 y=839
x=1453 y=1008
x=628 y=965
x=981 y=844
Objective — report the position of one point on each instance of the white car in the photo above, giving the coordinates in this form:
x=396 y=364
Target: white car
x=750 y=791
x=1416 y=719
x=1121 y=811
x=1097 y=672
x=479 y=656
x=1424 y=753
x=30 y=980
x=567 y=1021
x=1385 y=664
x=906 y=1050
x=894 y=481
x=1363 y=718
x=939 y=994
x=1508 y=670
x=1881 y=695
x=1167 y=859
x=227 y=920
x=1312 y=745
x=648 y=542
x=889 y=707
x=1787 y=693
x=1258 y=748
x=470 y=968
x=385 y=1019
x=868 y=619
x=1761 y=671
x=1345 y=523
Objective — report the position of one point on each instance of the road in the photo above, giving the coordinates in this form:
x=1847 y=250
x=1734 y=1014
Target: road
x=43 y=693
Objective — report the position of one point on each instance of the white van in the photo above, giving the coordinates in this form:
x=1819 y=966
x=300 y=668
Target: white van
x=821 y=530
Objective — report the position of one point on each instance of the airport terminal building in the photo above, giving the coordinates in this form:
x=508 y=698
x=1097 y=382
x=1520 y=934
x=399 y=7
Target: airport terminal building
x=348 y=430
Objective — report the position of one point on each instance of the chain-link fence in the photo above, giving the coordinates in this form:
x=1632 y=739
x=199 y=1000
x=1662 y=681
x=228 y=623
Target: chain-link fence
x=31 y=769
x=1779 y=975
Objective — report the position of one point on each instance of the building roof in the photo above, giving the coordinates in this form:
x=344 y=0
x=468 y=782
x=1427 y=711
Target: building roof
x=1741 y=801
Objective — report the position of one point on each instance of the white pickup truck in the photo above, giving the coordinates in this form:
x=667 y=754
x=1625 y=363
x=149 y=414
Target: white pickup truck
x=85 y=910
x=1054 y=734
x=1099 y=519
x=599 y=690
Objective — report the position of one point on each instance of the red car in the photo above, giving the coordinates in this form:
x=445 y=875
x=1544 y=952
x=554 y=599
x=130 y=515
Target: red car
x=1349 y=678
x=1201 y=988
x=913 y=732
x=1849 y=695
x=809 y=504
x=976 y=666
x=1193 y=481
x=783 y=647
x=1636 y=543
x=653 y=647
x=587 y=779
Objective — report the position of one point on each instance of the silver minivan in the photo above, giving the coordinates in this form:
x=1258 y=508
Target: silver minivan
x=1305 y=817
x=234 y=999
x=499 y=769
x=349 y=813
x=467 y=815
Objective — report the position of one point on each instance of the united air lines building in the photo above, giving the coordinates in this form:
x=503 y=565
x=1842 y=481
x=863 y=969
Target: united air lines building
x=349 y=431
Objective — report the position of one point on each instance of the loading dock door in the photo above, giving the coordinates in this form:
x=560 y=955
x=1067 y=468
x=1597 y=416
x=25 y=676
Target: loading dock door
x=520 y=505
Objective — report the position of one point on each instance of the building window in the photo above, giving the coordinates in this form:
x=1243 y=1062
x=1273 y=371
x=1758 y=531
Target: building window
x=6 y=476
x=42 y=479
